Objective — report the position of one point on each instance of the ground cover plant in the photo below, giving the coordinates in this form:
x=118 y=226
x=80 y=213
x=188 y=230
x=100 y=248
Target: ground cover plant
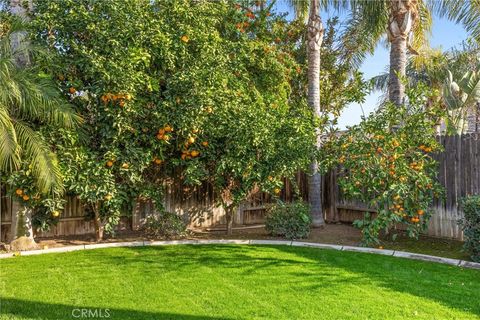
x=235 y=282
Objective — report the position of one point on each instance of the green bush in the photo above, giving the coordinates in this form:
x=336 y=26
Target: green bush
x=471 y=226
x=289 y=220
x=166 y=225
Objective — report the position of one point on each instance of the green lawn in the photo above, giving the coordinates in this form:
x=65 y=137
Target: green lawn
x=234 y=282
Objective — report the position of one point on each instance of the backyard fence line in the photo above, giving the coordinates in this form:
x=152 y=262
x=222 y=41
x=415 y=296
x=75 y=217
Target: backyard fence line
x=459 y=173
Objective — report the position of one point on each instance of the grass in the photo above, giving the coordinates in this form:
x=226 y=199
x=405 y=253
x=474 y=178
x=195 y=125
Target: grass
x=234 y=282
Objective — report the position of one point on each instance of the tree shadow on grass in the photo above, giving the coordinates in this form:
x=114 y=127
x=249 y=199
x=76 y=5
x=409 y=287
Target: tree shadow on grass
x=12 y=308
x=450 y=286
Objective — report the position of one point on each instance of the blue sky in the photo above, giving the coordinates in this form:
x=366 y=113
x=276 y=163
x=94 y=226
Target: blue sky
x=445 y=34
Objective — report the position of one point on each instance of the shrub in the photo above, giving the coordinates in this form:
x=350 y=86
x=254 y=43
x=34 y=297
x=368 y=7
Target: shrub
x=471 y=226
x=289 y=220
x=166 y=225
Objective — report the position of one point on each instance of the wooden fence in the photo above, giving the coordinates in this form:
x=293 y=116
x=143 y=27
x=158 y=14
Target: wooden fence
x=459 y=173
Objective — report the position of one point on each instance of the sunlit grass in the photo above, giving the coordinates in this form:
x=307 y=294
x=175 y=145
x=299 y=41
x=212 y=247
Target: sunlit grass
x=235 y=282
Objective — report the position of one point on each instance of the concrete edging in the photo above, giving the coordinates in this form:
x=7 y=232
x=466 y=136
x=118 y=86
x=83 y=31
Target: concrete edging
x=393 y=253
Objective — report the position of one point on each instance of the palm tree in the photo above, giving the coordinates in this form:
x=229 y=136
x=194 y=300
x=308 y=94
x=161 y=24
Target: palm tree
x=314 y=39
x=28 y=100
x=408 y=24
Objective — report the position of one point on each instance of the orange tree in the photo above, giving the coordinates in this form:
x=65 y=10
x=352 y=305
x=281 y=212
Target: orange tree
x=386 y=162
x=200 y=88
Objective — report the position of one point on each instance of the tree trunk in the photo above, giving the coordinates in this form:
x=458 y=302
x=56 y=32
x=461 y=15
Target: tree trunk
x=22 y=229
x=97 y=221
x=229 y=219
x=403 y=15
x=314 y=42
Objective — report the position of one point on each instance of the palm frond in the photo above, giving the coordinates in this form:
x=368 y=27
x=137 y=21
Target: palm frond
x=465 y=12
x=9 y=148
x=42 y=162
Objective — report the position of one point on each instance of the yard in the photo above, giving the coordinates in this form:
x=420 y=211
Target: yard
x=234 y=282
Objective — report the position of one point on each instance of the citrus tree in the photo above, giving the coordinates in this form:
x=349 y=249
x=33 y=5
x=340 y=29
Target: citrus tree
x=386 y=162
x=203 y=93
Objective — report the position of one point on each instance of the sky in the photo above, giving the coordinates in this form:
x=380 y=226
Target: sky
x=445 y=35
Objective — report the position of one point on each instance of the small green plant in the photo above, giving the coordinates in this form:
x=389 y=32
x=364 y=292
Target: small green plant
x=289 y=220
x=166 y=225
x=471 y=225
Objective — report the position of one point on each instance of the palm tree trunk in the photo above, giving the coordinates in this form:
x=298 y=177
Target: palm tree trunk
x=314 y=42
x=403 y=14
x=22 y=229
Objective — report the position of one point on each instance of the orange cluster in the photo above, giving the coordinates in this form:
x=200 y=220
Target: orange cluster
x=162 y=133
x=416 y=166
x=21 y=194
x=250 y=15
x=241 y=26
x=119 y=98
x=425 y=148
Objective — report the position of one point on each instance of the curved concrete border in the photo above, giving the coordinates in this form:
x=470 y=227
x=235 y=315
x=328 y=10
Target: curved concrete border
x=394 y=253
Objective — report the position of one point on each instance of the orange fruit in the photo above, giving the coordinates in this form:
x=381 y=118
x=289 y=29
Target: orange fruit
x=19 y=192
x=128 y=96
x=25 y=197
x=191 y=140
x=160 y=136
x=194 y=153
x=161 y=132
x=125 y=165
x=277 y=190
x=168 y=128
x=72 y=90
x=185 y=38
x=157 y=161
x=55 y=213
x=166 y=137
x=108 y=197
x=205 y=143
x=420 y=212
x=109 y=163
x=270 y=178
x=195 y=130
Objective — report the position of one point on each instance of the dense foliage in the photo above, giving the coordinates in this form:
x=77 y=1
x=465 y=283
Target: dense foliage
x=203 y=93
x=166 y=225
x=471 y=226
x=289 y=220
x=387 y=163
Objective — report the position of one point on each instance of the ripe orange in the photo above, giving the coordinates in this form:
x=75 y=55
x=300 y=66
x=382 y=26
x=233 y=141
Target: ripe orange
x=168 y=128
x=160 y=136
x=185 y=38
x=420 y=212
x=205 y=143
x=157 y=161
x=19 y=192
x=161 y=132
x=25 y=197
x=109 y=163
x=166 y=137
x=72 y=90
x=191 y=140
x=195 y=130
x=125 y=165
x=55 y=213
x=277 y=190
x=194 y=153
x=108 y=197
